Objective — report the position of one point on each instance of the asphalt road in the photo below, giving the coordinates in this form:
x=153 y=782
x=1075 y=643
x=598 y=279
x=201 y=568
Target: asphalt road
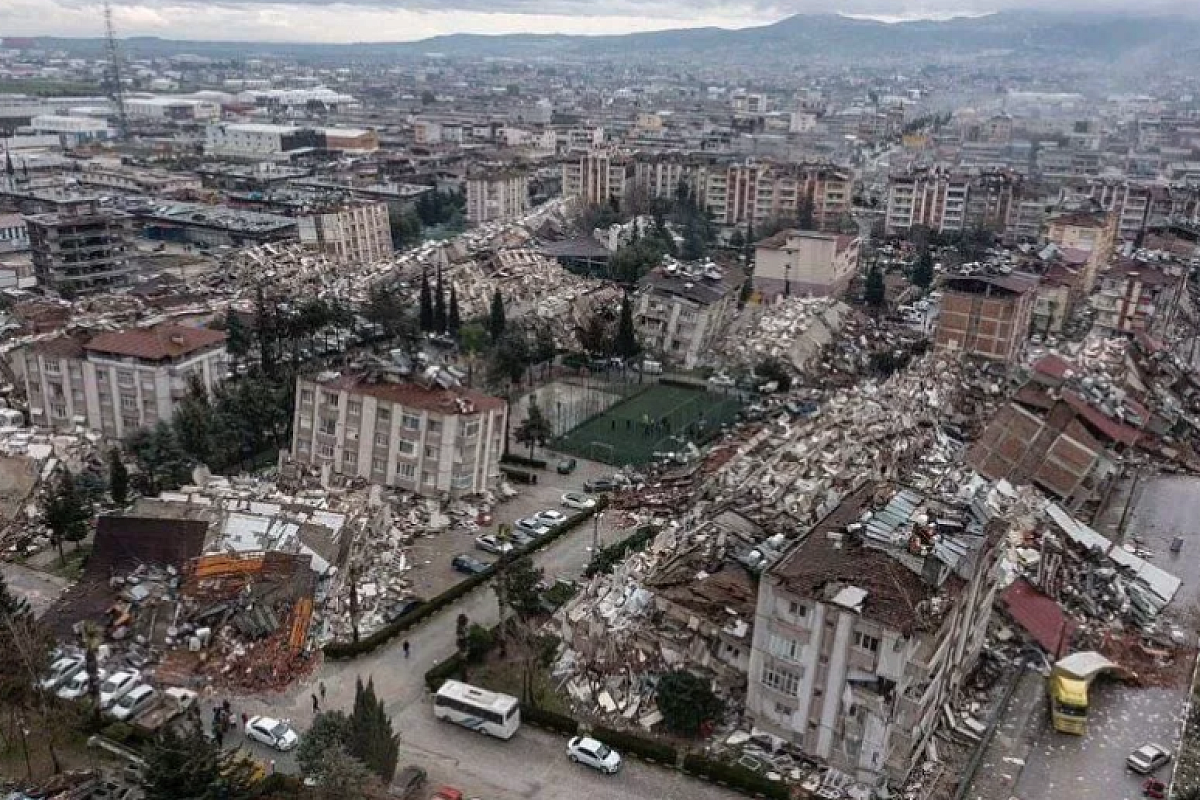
x=531 y=766
x=41 y=589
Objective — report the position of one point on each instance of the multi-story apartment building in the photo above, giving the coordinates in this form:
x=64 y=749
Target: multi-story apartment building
x=678 y=317
x=493 y=196
x=111 y=174
x=14 y=235
x=355 y=233
x=257 y=141
x=1137 y=295
x=597 y=176
x=118 y=381
x=1091 y=234
x=798 y=263
x=934 y=198
x=81 y=248
x=864 y=631
x=987 y=317
x=427 y=436
x=756 y=192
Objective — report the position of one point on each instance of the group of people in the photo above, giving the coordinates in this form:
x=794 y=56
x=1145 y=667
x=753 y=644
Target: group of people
x=223 y=721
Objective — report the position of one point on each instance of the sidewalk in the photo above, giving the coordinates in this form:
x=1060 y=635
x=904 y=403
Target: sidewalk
x=1005 y=757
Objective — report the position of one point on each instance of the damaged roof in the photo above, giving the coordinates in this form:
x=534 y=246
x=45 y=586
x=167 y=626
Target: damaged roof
x=159 y=343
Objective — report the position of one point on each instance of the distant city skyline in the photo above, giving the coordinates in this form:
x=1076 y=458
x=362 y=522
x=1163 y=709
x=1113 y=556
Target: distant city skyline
x=375 y=21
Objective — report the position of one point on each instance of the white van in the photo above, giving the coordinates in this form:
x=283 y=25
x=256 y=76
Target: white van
x=134 y=702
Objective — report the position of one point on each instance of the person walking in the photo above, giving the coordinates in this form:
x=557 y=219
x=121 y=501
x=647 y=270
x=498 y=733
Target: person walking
x=321 y=689
x=406 y=648
x=316 y=705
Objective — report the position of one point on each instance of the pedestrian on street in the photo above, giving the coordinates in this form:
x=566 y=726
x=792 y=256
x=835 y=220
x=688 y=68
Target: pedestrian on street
x=406 y=648
x=316 y=705
x=219 y=735
x=321 y=687
x=272 y=766
x=245 y=720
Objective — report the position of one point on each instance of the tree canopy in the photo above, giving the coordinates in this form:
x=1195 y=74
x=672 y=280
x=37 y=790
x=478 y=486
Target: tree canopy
x=187 y=766
x=687 y=702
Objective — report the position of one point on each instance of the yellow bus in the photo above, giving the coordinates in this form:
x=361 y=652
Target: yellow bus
x=1068 y=686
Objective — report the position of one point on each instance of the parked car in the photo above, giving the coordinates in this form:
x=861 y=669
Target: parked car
x=593 y=753
x=447 y=793
x=116 y=686
x=578 y=500
x=490 y=543
x=138 y=699
x=550 y=518
x=407 y=783
x=469 y=565
x=1147 y=758
x=599 y=485
x=566 y=466
x=173 y=702
x=401 y=607
x=61 y=671
x=272 y=732
x=78 y=684
x=533 y=526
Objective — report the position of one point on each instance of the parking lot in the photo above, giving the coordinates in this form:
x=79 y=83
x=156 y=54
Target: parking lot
x=431 y=555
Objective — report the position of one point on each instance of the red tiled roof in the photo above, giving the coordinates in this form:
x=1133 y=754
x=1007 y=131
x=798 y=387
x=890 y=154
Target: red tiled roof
x=1117 y=431
x=1052 y=366
x=413 y=395
x=60 y=347
x=1041 y=617
x=156 y=344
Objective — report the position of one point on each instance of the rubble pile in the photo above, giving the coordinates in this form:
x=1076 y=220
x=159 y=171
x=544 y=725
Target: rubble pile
x=793 y=330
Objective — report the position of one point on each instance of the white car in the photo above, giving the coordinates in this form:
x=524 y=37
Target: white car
x=594 y=753
x=61 y=671
x=78 y=685
x=578 y=500
x=117 y=686
x=490 y=543
x=134 y=702
x=533 y=526
x=275 y=733
x=1147 y=758
x=551 y=518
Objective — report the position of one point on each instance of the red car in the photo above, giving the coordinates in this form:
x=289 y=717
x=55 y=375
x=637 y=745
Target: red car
x=448 y=793
x=1154 y=788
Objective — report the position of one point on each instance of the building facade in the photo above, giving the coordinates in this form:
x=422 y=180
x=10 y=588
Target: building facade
x=497 y=196
x=597 y=176
x=358 y=233
x=1092 y=234
x=797 y=263
x=81 y=249
x=118 y=381
x=862 y=633
x=415 y=435
x=1137 y=296
x=933 y=198
x=988 y=317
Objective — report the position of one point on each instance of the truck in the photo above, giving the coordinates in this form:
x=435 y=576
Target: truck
x=1067 y=688
x=173 y=703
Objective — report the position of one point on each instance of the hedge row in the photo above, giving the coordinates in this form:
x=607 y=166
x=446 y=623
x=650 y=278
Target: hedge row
x=366 y=644
x=559 y=723
x=519 y=475
x=608 y=557
x=524 y=461
x=645 y=749
x=450 y=668
x=735 y=777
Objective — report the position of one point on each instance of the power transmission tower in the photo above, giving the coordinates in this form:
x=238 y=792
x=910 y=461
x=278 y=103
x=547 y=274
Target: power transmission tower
x=115 y=91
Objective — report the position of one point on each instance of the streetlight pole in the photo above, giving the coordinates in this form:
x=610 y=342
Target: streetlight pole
x=599 y=515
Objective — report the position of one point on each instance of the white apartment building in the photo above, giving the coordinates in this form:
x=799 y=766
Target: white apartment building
x=678 y=316
x=355 y=234
x=933 y=198
x=422 y=436
x=117 y=381
x=865 y=629
x=597 y=176
x=798 y=263
x=71 y=131
x=497 y=196
x=251 y=140
x=13 y=233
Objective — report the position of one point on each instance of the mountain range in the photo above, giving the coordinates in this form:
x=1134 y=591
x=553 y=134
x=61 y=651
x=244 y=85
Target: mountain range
x=1011 y=35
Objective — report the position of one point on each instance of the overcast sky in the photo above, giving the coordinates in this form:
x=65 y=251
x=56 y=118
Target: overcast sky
x=379 y=20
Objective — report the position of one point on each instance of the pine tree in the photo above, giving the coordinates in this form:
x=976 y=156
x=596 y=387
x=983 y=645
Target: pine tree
x=64 y=513
x=535 y=428
x=627 y=345
x=371 y=739
x=496 y=319
x=188 y=765
x=237 y=337
x=439 y=306
x=922 y=273
x=426 y=312
x=453 y=319
x=875 y=292
x=118 y=478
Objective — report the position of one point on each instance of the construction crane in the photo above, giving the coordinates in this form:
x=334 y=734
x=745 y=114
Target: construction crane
x=115 y=91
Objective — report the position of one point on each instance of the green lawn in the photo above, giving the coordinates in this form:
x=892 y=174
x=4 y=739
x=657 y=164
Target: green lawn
x=657 y=419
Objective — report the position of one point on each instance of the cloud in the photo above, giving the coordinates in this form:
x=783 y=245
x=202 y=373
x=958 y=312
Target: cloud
x=387 y=20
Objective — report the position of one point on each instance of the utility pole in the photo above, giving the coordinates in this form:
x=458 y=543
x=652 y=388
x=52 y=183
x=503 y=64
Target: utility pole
x=115 y=91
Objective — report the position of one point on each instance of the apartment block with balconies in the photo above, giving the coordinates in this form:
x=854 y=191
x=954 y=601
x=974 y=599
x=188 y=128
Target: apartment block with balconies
x=82 y=250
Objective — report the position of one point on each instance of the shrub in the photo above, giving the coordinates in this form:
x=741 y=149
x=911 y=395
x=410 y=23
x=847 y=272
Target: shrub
x=479 y=642
x=735 y=777
x=519 y=475
x=452 y=667
x=608 y=557
x=559 y=723
x=686 y=702
x=118 y=732
x=647 y=749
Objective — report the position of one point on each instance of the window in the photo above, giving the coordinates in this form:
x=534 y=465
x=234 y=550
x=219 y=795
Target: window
x=785 y=648
x=406 y=447
x=330 y=399
x=125 y=378
x=325 y=450
x=865 y=642
x=354 y=408
x=52 y=368
x=58 y=410
x=412 y=422
x=306 y=396
x=381 y=440
x=305 y=424
x=329 y=426
x=129 y=402
x=383 y=415
x=427 y=478
x=471 y=428
x=378 y=464
x=350 y=457
x=431 y=451
x=782 y=710
x=406 y=471
x=434 y=426
x=302 y=446
x=461 y=481
x=797 y=610
x=781 y=680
